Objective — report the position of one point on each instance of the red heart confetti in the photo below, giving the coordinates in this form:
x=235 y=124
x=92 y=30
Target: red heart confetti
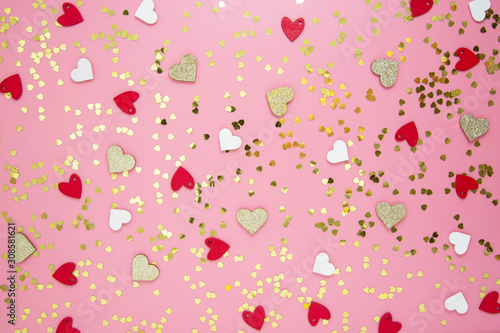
x=217 y=248
x=420 y=7
x=65 y=326
x=255 y=319
x=71 y=15
x=467 y=59
x=463 y=184
x=13 y=85
x=386 y=325
x=73 y=188
x=182 y=178
x=409 y=133
x=64 y=274
x=292 y=29
x=317 y=312
x=490 y=303
x=125 y=101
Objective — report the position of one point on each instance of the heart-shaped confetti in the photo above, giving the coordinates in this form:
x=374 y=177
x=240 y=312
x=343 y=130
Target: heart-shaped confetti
x=64 y=274
x=146 y=12
x=24 y=248
x=463 y=184
x=387 y=70
x=142 y=270
x=181 y=178
x=252 y=221
x=339 y=152
x=185 y=71
x=316 y=312
x=66 y=326
x=478 y=9
x=228 y=141
x=278 y=100
x=457 y=303
x=490 y=303
x=322 y=265
x=255 y=319
x=460 y=241
x=467 y=59
x=390 y=215
x=118 y=217
x=125 y=101
x=472 y=127
x=386 y=325
x=83 y=72
x=73 y=188
x=409 y=133
x=71 y=15
x=217 y=248
x=118 y=161
x=12 y=85
x=420 y=7
x=292 y=29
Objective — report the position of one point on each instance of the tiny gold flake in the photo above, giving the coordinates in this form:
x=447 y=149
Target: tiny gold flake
x=142 y=270
x=24 y=248
x=387 y=69
x=278 y=99
x=390 y=215
x=252 y=221
x=185 y=71
x=473 y=128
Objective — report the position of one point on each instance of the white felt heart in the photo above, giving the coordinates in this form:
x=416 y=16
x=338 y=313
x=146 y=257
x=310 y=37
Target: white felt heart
x=339 y=152
x=83 y=72
x=478 y=9
x=457 y=302
x=460 y=240
x=228 y=141
x=322 y=265
x=146 y=12
x=118 y=217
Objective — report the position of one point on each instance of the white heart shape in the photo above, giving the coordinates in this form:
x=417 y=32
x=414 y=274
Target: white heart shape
x=83 y=72
x=228 y=141
x=146 y=12
x=322 y=265
x=457 y=302
x=339 y=152
x=222 y=4
x=118 y=217
x=460 y=240
x=478 y=9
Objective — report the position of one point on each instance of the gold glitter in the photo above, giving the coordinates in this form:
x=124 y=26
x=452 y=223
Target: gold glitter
x=390 y=215
x=185 y=71
x=142 y=270
x=252 y=221
x=118 y=162
x=278 y=99
x=473 y=128
x=387 y=69
x=24 y=248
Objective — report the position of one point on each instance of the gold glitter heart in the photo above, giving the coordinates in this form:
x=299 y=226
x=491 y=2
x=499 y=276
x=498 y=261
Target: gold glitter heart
x=387 y=69
x=278 y=98
x=252 y=221
x=142 y=270
x=185 y=71
x=390 y=215
x=118 y=162
x=24 y=248
x=472 y=127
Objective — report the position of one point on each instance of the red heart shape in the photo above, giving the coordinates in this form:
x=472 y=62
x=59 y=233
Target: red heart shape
x=317 y=312
x=490 y=303
x=463 y=184
x=71 y=15
x=420 y=7
x=409 y=133
x=255 y=319
x=125 y=101
x=386 y=325
x=182 y=178
x=73 y=188
x=65 y=326
x=468 y=59
x=217 y=248
x=13 y=85
x=292 y=29
x=64 y=274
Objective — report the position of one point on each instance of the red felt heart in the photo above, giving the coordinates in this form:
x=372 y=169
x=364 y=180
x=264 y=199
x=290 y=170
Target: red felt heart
x=64 y=274
x=386 y=325
x=463 y=184
x=468 y=59
x=255 y=319
x=71 y=15
x=317 y=312
x=13 y=85
x=409 y=133
x=65 y=326
x=125 y=101
x=490 y=303
x=73 y=188
x=217 y=248
x=420 y=7
x=182 y=178
x=292 y=29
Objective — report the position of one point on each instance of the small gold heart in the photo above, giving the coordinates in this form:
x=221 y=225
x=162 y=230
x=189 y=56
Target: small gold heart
x=118 y=162
x=24 y=248
x=387 y=69
x=278 y=98
x=185 y=71
x=142 y=270
x=390 y=215
x=473 y=128
x=252 y=221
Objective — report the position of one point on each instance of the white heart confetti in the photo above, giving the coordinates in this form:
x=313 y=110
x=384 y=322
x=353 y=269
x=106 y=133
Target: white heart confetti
x=322 y=265
x=461 y=242
x=339 y=152
x=478 y=9
x=146 y=12
x=83 y=72
x=118 y=217
x=228 y=141
x=457 y=302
